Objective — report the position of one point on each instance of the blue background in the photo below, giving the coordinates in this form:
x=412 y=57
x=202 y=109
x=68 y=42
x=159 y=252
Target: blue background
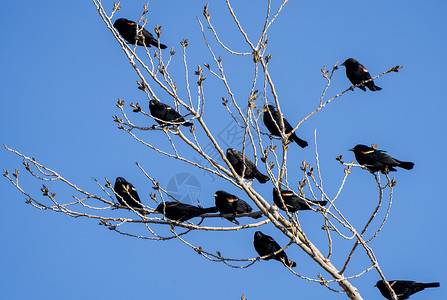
x=62 y=72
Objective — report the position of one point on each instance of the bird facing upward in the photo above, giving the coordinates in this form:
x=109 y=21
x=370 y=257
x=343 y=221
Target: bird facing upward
x=126 y=194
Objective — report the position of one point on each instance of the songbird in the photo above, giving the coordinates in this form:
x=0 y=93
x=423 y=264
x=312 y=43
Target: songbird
x=242 y=164
x=128 y=30
x=163 y=112
x=377 y=160
x=292 y=201
x=265 y=245
x=227 y=203
x=357 y=74
x=126 y=194
x=182 y=212
x=403 y=288
x=272 y=122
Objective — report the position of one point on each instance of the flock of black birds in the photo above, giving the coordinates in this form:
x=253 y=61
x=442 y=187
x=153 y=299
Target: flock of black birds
x=369 y=158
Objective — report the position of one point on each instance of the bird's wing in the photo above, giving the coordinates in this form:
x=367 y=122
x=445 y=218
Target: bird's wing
x=387 y=159
x=363 y=68
x=231 y=199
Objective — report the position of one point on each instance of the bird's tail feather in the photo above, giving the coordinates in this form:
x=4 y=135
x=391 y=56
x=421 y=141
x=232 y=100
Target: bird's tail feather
x=432 y=284
x=299 y=141
x=233 y=220
x=322 y=203
x=292 y=264
x=210 y=210
x=406 y=165
x=261 y=177
x=373 y=87
x=288 y=263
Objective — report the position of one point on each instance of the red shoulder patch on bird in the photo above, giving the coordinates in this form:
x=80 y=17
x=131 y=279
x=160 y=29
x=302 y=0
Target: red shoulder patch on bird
x=287 y=194
x=363 y=68
x=231 y=199
x=367 y=152
x=130 y=23
x=392 y=283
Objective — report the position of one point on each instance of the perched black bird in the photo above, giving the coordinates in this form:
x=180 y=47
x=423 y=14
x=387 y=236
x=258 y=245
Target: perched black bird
x=237 y=160
x=164 y=112
x=125 y=192
x=128 y=30
x=230 y=204
x=182 y=212
x=357 y=73
x=292 y=201
x=265 y=245
x=273 y=123
x=402 y=288
x=376 y=160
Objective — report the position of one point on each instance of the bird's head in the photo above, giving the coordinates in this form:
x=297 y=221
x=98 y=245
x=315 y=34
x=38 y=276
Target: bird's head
x=271 y=107
x=119 y=23
x=231 y=151
x=350 y=62
x=153 y=103
x=362 y=149
x=160 y=208
x=258 y=235
x=218 y=193
x=120 y=180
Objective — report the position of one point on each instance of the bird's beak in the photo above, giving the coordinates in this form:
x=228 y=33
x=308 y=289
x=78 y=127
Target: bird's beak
x=375 y=285
x=342 y=64
x=351 y=149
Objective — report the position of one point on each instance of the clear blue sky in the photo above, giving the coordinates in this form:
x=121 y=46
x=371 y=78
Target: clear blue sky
x=62 y=72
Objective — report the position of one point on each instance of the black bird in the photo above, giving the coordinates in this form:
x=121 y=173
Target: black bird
x=376 y=160
x=273 y=123
x=292 y=201
x=265 y=245
x=182 y=212
x=128 y=30
x=164 y=112
x=403 y=288
x=237 y=160
x=357 y=73
x=125 y=192
x=230 y=204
